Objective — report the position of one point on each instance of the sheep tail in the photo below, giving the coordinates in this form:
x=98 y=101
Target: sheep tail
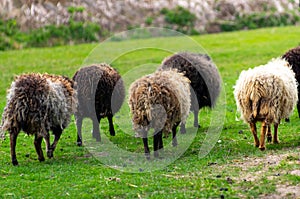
x=255 y=98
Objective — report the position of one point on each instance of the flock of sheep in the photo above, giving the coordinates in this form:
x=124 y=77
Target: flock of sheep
x=39 y=103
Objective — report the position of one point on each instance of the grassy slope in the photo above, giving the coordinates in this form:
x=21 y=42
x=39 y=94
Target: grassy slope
x=73 y=173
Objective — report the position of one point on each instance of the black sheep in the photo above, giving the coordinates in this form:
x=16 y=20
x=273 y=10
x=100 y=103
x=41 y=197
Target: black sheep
x=204 y=77
x=97 y=86
x=293 y=57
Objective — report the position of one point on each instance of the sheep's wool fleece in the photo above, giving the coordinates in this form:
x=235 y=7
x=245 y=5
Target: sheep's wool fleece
x=37 y=103
x=267 y=92
x=201 y=71
x=100 y=90
x=152 y=96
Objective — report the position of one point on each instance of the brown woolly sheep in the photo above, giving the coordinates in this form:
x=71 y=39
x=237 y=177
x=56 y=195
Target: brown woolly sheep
x=266 y=94
x=204 y=76
x=37 y=104
x=160 y=101
x=101 y=93
x=293 y=57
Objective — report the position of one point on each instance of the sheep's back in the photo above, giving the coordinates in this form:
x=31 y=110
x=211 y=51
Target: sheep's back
x=266 y=92
x=157 y=95
x=100 y=88
x=35 y=104
x=203 y=74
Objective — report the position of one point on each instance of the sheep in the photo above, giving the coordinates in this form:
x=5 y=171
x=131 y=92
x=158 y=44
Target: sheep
x=38 y=103
x=160 y=101
x=293 y=57
x=101 y=93
x=204 y=76
x=267 y=94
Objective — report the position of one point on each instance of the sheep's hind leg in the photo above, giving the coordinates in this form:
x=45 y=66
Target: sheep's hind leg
x=57 y=133
x=13 y=141
x=96 y=129
x=146 y=146
x=263 y=132
x=38 y=148
x=196 y=123
x=276 y=141
x=174 y=140
x=79 y=134
x=182 y=128
x=111 y=125
x=269 y=134
x=48 y=146
x=254 y=132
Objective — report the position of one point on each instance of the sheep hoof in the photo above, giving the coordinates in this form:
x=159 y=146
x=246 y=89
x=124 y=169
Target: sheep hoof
x=262 y=148
x=50 y=154
x=42 y=159
x=269 y=139
x=15 y=162
x=147 y=155
x=197 y=126
x=174 y=143
x=275 y=142
x=79 y=143
x=112 y=132
x=182 y=130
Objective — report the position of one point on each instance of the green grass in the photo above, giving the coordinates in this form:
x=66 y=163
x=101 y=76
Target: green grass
x=234 y=168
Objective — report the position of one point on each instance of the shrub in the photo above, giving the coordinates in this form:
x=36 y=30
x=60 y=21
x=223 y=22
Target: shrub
x=181 y=19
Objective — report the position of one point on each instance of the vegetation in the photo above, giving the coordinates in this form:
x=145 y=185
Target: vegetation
x=234 y=168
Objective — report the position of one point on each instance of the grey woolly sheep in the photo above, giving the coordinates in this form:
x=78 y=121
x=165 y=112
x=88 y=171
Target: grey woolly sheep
x=37 y=104
x=293 y=57
x=101 y=93
x=160 y=101
x=267 y=94
x=204 y=76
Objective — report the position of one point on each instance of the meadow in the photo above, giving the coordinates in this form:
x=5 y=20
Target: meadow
x=233 y=168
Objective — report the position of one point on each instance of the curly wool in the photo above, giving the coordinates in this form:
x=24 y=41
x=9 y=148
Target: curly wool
x=159 y=100
x=267 y=92
x=37 y=103
x=203 y=74
x=97 y=86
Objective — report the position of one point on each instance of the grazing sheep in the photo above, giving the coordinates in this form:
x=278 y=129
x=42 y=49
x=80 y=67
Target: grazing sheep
x=37 y=104
x=160 y=101
x=293 y=57
x=204 y=77
x=266 y=94
x=101 y=93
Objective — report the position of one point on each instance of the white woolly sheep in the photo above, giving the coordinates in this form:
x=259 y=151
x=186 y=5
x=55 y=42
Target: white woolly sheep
x=267 y=94
x=160 y=101
x=37 y=104
x=204 y=76
x=101 y=93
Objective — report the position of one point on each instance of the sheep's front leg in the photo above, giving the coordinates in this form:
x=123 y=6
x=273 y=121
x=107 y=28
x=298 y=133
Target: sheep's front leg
x=146 y=147
x=263 y=132
x=13 y=141
x=79 y=135
x=276 y=141
x=38 y=148
x=269 y=134
x=298 y=108
x=111 y=125
x=254 y=132
x=174 y=140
